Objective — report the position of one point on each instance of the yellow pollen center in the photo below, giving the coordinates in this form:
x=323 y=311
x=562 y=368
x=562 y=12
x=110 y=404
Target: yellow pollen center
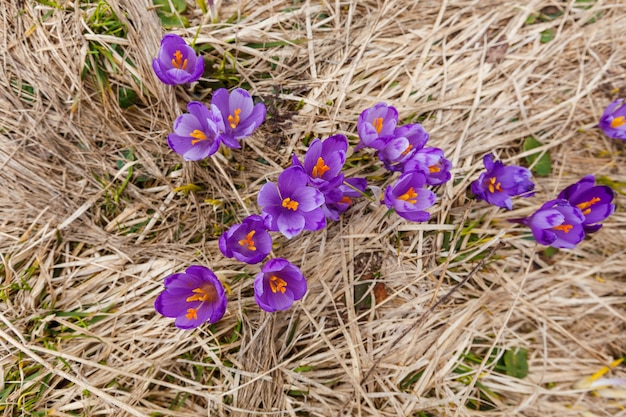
x=407 y=150
x=434 y=168
x=290 y=204
x=378 y=124
x=178 y=62
x=618 y=122
x=320 y=168
x=563 y=227
x=248 y=241
x=493 y=185
x=198 y=135
x=192 y=314
x=586 y=206
x=277 y=284
x=409 y=196
x=233 y=120
x=206 y=292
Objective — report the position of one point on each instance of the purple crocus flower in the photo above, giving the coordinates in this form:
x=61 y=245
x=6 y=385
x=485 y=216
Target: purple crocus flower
x=241 y=117
x=278 y=285
x=593 y=200
x=291 y=206
x=196 y=133
x=408 y=197
x=500 y=183
x=375 y=125
x=401 y=147
x=324 y=160
x=351 y=188
x=177 y=62
x=247 y=242
x=557 y=223
x=613 y=120
x=430 y=162
x=192 y=297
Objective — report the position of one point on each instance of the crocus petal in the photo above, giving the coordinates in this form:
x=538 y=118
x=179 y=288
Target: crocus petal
x=268 y=195
x=290 y=223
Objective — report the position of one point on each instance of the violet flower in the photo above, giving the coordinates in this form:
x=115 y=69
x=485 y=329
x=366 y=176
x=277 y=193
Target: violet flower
x=351 y=188
x=241 y=117
x=278 y=285
x=247 y=242
x=177 y=62
x=401 y=147
x=324 y=160
x=408 y=197
x=192 y=297
x=375 y=125
x=613 y=120
x=557 y=223
x=500 y=183
x=430 y=162
x=593 y=200
x=196 y=133
x=291 y=206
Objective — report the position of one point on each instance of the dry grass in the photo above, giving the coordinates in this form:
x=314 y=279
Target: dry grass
x=84 y=251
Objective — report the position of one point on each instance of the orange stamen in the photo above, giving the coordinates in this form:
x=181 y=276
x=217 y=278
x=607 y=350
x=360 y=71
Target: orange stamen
x=618 y=122
x=277 y=284
x=346 y=200
x=435 y=168
x=206 y=292
x=178 y=62
x=233 y=121
x=493 y=185
x=409 y=196
x=248 y=241
x=585 y=205
x=198 y=135
x=320 y=168
x=290 y=204
x=407 y=150
x=564 y=228
x=192 y=314
x=378 y=124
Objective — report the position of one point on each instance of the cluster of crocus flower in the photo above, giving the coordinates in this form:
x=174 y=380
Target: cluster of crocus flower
x=560 y=223
x=577 y=211
x=314 y=190
x=403 y=149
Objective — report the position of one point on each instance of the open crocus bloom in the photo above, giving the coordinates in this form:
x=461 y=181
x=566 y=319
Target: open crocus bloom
x=192 y=297
x=177 y=62
x=278 y=285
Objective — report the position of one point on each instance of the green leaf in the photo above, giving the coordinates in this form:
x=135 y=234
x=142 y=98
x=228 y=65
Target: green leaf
x=169 y=20
x=515 y=362
x=543 y=166
x=164 y=5
x=126 y=97
x=546 y=36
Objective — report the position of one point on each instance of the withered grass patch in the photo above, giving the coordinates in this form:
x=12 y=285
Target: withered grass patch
x=92 y=216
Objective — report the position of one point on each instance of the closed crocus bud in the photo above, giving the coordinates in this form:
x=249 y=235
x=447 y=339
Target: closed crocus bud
x=177 y=62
